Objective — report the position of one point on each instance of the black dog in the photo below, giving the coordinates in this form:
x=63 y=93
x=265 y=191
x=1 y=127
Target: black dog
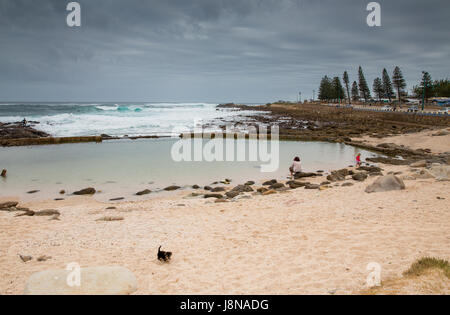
x=164 y=256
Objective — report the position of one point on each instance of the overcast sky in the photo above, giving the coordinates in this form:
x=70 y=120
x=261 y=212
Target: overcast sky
x=211 y=50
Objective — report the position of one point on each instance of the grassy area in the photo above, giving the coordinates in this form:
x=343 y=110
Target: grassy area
x=426 y=276
x=419 y=267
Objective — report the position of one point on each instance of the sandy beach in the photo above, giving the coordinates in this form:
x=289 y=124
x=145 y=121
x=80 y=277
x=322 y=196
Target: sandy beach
x=294 y=242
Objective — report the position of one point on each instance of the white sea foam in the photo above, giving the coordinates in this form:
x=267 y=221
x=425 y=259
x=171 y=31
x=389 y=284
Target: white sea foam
x=116 y=119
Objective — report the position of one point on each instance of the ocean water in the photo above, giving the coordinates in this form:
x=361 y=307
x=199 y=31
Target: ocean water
x=133 y=119
x=120 y=168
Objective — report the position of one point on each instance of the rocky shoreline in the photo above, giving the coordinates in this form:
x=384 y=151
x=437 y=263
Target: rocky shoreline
x=315 y=122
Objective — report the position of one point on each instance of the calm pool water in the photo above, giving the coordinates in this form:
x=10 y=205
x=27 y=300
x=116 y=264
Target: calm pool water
x=120 y=168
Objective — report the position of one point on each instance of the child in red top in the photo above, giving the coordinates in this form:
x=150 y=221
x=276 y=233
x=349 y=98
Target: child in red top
x=358 y=160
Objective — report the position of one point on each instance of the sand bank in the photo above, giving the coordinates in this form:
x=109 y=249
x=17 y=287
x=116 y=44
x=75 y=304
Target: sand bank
x=298 y=242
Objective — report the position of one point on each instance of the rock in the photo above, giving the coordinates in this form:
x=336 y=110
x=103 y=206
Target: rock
x=43 y=258
x=312 y=186
x=144 y=192
x=232 y=194
x=269 y=192
x=250 y=183
x=220 y=201
x=110 y=219
x=196 y=187
x=62 y=192
x=337 y=176
x=325 y=183
x=55 y=217
x=26 y=258
x=243 y=188
x=217 y=196
x=32 y=192
x=441 y=133
x=388 y=160
x=8 y=205
x=440 y=172
x=262 y=190
x=117 y=199
x=207 y=188
x=46 y=213
x=3 y=174
x=218 y=189
x=28 y=213
x=193 y=195
x=111 y=208
x=347 y=184
x=270 y=182
x=172 y=188
x=422 y=174
x=386 y=183
x=422 y=163
x=305 y=175
x=94 y=281
x=86 y=191
x=277 y=186
x=295 y=184
x=360 y=177
x=370 y=169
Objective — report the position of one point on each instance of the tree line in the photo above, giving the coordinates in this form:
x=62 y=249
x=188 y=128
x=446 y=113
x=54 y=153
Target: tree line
x=331 y=89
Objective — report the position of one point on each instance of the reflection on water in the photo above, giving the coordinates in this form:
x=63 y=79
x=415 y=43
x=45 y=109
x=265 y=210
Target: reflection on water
x=123 y=167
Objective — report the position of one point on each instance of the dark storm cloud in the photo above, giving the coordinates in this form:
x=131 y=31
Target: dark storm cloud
x=211 y=50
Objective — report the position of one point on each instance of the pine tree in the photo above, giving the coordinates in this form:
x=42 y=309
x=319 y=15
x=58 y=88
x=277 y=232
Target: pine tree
x=427 y=85
x=378 y=88
x=399 y=82
x=337 y=90
x=325 y=89
x=347 y=82
x=387 y=86
x=363 y=87
x=355 y=91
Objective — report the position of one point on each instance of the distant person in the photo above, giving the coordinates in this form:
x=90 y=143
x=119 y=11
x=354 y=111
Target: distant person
x=358 y=160
x=296 y=166
x=3 y=174
x=24 y=122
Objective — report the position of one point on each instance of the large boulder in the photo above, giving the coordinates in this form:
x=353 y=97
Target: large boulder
x=386 y=183
x=440 y=172
x=94 y=281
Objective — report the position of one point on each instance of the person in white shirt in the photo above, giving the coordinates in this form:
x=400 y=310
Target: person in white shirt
x=296 y=166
